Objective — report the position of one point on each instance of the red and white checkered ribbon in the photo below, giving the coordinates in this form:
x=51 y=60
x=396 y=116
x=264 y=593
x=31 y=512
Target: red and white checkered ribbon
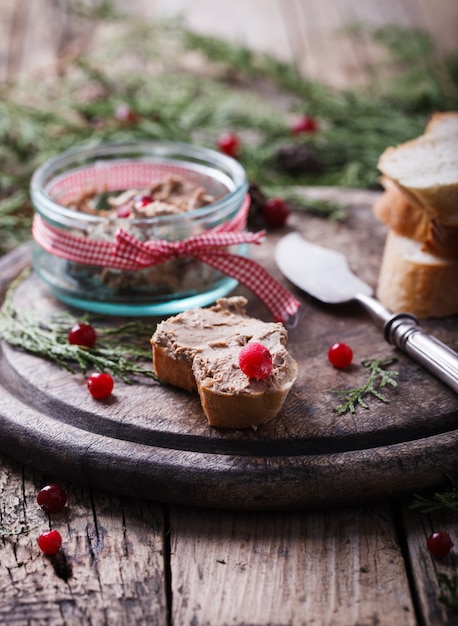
x=128 y=253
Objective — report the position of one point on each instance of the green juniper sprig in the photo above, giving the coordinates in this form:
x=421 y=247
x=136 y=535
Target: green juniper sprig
x=123 y=350
x=378 y=377
x=447 y=499
x=448 y=590
x=23 y=530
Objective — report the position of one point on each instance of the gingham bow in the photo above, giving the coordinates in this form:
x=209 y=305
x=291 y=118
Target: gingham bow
x=128 y=253
x=156 y=251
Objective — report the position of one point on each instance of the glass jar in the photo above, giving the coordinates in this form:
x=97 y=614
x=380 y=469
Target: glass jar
x=73 y=249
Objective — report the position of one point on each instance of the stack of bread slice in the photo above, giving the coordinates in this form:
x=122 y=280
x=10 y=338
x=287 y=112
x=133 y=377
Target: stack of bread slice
x=419 y=270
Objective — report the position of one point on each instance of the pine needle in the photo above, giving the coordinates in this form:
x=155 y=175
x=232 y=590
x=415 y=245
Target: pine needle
x=448 y=590
x=23 y=530
x=378 y=377
x=442 y=500
x=123 y=351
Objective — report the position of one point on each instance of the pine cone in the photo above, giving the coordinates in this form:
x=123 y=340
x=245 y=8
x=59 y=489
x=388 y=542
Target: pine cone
x=258 y=200
x=299 y=159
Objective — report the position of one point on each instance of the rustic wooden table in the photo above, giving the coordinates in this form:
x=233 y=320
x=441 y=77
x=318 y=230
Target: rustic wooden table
x=131 y=560
x=127 y=560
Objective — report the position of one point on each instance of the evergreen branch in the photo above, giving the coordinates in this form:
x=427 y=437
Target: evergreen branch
x=441 y=500
x=121 y=350
x=23 y=530
x=40 y=120
x=448 y=590
x=378 y=377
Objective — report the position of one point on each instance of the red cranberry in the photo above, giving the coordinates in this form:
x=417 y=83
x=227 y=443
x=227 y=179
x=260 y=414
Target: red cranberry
x=100 y=385
x=82 y=335
x=123 y=211
x=340 y=355
x=439 y=544
x=305 y=124
x=255 y=361
x=142 y=201
x=229 y=144
x=125 y=114
x=52 y=498
x=275 y=212
x=50 y=542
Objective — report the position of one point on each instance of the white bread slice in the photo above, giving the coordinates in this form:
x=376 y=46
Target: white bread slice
x=415 y=281
x=426 y=170
x=398 y=212
x=198 y=350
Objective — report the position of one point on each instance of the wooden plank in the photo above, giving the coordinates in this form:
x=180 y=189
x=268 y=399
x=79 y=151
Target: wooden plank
x=308 y=31
x=12 y=25
x=426 y=570
x=30 y=40
x=320 y=27
x=327 y=568
x=111 y=566
x=326 y=53
x=18 y=261
x=257 y=24
x=36 y=35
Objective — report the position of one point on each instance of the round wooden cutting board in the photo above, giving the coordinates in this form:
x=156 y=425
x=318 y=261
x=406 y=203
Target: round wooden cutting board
x=152 y=441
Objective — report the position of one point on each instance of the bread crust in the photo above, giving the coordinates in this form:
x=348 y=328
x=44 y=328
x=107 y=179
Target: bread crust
x=442 y=240
x=396 y=210
x=442 y=123
x=411 y=220
x=425 y=169
x=173 y=371
x=240 y=411
x=417 y=282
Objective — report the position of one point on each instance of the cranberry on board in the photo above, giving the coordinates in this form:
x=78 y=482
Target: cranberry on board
x=229 y=144
x=255 y=361
x=82 y=334
x=340 y=355
x=50 y=542
x=439 y=544
x=52 y=498
x=275 y=212
x=100 y=385
x=304 y=124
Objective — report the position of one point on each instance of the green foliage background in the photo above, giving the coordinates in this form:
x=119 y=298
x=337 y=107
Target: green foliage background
x=147 y=67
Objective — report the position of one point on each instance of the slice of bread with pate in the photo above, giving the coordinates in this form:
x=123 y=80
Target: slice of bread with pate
x=198 y=350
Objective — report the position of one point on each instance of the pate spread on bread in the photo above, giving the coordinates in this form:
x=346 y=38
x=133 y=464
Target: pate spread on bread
x=419 y=271
x=198 y=350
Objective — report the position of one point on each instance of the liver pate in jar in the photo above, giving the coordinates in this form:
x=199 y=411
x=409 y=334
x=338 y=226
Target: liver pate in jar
x=126 y=229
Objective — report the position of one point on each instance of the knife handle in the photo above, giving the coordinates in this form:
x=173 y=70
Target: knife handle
x=403 y=331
